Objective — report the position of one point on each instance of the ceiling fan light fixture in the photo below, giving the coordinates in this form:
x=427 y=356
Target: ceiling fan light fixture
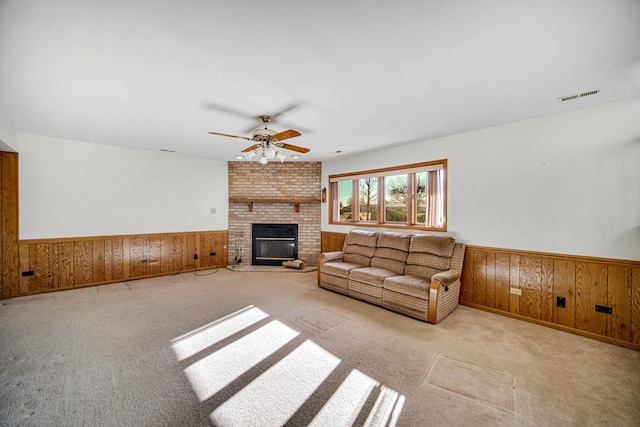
x=269 y=153
x=263 y=160
x=281 y=156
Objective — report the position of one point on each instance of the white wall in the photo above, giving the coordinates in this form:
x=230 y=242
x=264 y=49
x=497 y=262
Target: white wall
x=73 y=189
x=567 y=183
x=8 y=138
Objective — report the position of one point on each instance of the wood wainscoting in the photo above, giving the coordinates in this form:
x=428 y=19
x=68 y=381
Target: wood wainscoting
x=47 y=265
x=330 y=241
x=532 y=286
x=8 y=223
x=594 y=297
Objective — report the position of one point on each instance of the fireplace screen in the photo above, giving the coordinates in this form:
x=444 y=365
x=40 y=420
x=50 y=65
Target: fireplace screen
x=274 y=243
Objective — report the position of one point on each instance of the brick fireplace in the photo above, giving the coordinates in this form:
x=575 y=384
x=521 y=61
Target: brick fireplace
x=275 y=193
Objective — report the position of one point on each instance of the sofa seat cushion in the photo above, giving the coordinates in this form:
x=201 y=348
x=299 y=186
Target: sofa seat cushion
x=408 y=285
x=371 y=275
x=422 y=271
x=339 y=268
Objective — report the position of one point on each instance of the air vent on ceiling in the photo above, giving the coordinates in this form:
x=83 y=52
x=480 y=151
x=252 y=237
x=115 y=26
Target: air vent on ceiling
x=579 y=95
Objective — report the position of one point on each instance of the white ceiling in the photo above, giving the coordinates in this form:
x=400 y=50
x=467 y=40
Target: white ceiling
x=160 y=74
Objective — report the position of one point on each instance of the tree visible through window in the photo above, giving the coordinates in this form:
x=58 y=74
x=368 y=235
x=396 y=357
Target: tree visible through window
x=395 y=198
x=368 y=199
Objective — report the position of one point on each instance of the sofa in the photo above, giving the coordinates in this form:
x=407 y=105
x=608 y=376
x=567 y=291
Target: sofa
x=414 y=274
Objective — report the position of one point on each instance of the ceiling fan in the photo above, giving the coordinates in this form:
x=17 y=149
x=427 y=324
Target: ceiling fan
x=267 y=142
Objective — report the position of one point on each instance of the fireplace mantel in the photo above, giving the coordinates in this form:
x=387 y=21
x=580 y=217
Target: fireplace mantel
x=293 y=200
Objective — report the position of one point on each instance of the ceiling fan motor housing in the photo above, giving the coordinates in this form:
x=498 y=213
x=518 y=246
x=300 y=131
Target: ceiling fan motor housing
x=264 y=135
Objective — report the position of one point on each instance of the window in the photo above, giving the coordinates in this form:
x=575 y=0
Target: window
x=345 y=196
x=396 y=198
x=368 y=201
x=412 y=196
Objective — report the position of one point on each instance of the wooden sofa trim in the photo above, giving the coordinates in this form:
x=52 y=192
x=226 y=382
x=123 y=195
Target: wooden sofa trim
x=433 y=301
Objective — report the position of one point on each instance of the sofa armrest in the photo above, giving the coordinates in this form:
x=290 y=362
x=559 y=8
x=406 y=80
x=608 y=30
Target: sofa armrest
x=330 y=256
x=326 y=257
x=440 y=285
x=446 y=277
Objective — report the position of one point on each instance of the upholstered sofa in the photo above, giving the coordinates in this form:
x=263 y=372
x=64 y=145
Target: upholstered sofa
x=413 y=274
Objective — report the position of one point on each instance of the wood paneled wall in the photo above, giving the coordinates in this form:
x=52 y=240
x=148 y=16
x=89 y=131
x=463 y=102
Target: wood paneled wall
x=54 y=264
x=531 y=286
x=8 y=223
x=330 y=241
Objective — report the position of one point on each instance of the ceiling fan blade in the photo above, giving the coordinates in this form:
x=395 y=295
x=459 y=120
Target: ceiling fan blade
x=222 y=108
x=273 y=117
x=284 y=110
x=286 y=135
x=294 y=148
x=253 y=147
x=232 y=136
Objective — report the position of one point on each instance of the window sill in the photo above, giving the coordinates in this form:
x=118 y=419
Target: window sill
x=389 y=225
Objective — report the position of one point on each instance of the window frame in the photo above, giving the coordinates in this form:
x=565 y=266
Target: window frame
x=411 y=170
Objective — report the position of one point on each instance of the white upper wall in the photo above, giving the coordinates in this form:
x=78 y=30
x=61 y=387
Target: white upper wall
x=73 y=189
x=8 y=138
x=567 y=183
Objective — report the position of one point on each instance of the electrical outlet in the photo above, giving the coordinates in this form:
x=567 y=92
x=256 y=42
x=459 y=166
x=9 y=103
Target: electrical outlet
x=212 y=254
x=515 y=291
x=561 y=302
x=195 y=256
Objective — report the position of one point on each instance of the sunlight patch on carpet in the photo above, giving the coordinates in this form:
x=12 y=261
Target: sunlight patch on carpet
x=237 y=358
x=280 y=390
x=493 y=388
x=197 y=340
x=277 y=394
x=343 y=407
x=387 y=407
x=323 y=319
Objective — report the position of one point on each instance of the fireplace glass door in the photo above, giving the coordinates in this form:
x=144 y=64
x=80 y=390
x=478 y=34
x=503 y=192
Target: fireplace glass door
x=274 y=243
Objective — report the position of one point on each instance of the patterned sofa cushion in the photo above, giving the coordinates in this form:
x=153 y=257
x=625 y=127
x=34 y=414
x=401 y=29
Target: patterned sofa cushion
x=340 y=269
x=429 y=255
x=359 y=247
x=408 y=285
x=392 y=251
x=372 y=276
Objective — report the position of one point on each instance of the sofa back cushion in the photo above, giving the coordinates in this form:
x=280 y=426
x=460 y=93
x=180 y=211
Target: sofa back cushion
x=429 y=255
x=359 y=247
x=391 y=252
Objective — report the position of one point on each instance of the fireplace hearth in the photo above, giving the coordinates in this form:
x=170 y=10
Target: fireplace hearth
x=272 y=244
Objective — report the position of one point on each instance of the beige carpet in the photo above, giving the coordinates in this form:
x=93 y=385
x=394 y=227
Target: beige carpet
x=270 y=269
x=236 y=348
